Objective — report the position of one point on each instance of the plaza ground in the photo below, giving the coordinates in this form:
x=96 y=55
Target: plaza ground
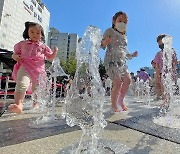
x=133 y=128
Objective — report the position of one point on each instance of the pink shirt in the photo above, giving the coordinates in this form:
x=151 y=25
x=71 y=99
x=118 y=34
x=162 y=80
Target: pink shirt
x=33 y=55
x=159 y=60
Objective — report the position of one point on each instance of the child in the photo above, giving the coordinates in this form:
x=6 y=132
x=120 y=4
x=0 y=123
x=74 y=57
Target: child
x=115 y=40
x=157 y=83
x=158 y=62
x=133 y=85
x=30 y=55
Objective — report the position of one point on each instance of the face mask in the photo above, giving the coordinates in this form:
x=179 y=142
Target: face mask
x=121 y=27
x=161 y=46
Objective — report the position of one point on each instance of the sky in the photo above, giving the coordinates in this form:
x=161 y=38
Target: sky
x=146 y=20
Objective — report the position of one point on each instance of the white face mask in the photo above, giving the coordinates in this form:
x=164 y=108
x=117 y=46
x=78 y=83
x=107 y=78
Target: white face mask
x=121 y=27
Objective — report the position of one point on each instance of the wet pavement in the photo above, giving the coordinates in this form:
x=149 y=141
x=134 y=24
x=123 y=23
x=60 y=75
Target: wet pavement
x=134 y=128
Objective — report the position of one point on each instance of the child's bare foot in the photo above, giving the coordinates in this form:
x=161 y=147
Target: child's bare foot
x=123 y=106
x=115 y=109
x=15 y=108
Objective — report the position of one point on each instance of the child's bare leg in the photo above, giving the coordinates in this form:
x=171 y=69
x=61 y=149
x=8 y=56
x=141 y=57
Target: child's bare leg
x=35 y=103
x=18 y=106
x=158 y=90
x=125 y=85
x=159 y=87
x=114 y=93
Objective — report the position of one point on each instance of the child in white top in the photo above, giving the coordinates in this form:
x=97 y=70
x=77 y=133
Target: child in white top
x=115 y=40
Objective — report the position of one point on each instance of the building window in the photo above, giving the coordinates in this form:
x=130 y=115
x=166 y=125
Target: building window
x=39 y=18
x=31 y=8
x=35 y=14
x=33 y=1
x=40 y=9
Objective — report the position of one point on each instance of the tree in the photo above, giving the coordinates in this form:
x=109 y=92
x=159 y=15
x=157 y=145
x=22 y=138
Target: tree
x=69 y=66
x=63 y=65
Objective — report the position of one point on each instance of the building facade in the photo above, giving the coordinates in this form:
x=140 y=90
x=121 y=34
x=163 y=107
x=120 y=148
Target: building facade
x=178 y=69
x=13 y=15
x=66 y=43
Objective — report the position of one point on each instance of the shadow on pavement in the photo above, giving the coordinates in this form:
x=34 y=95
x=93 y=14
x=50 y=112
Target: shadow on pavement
x=18 y=131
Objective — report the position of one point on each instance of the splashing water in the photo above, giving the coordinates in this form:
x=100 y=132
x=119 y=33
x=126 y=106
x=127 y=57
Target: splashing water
x=85 y=99
x=169 y=112
x=45 y=95
x=167 y=71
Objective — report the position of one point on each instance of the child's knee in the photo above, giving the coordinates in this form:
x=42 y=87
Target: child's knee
x=21 y=87
x=127 y=80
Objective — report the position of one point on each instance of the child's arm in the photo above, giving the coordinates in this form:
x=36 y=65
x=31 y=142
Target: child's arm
x=106 y=38
x=105 y=42
x=53 y=55
x=130 y=56
x=17 y=52
x=135 y=54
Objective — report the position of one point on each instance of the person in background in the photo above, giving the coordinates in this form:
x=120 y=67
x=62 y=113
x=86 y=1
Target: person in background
x=158 y=60
x=137 y=75
x=158 y=89
x=133 y=85
x=143 y=75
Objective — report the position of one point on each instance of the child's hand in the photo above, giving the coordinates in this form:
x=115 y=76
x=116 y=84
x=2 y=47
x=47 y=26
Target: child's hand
x=135 y=54
x=53 y=55
x=16 y=57
x=106 y=41
x=55 y=50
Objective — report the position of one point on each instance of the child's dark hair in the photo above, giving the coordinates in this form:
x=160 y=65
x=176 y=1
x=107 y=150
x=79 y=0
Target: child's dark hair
x=160 y=37
x=142 y=69
x=32 y=24
x=116 y=16
x=152 y=62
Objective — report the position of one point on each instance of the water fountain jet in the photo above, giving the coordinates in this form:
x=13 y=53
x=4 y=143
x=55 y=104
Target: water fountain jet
x=85 y=99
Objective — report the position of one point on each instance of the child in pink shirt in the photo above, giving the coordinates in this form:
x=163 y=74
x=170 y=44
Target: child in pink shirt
x=30 y=55
x=158 y=61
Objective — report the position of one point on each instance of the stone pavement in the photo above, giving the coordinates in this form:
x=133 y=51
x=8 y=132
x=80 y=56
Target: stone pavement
x=133 y=128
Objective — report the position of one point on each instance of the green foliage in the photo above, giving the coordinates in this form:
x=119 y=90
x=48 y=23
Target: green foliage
x=69 y=66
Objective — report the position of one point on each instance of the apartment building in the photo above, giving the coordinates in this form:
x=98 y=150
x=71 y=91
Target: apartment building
x=13 y=15
x=65 y=42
